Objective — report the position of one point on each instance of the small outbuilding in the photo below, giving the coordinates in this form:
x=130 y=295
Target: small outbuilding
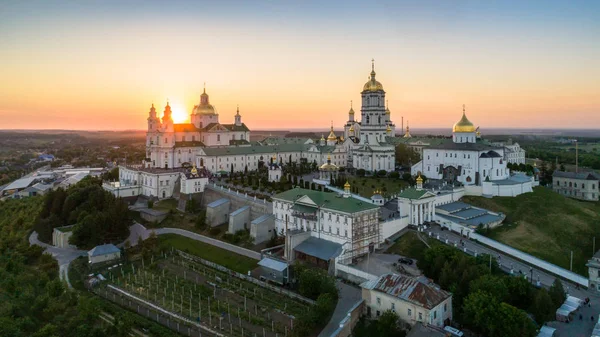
x=104 y=253
x=217 y=212
x=262 y=228
x=239 y=219
x=61 y=235
x=273 y=270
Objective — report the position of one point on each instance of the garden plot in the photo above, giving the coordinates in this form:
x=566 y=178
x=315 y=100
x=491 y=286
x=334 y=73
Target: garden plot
x=208 y=296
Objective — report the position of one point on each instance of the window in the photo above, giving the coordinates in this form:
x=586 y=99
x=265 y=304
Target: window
x=409 y=313
x=378 y=301
x=582 y=185
x=329 y=228
x=218 y=138
x=346 y=233
x=337 y=218
x=434 y=314
x=445 y=307
x=420 y=316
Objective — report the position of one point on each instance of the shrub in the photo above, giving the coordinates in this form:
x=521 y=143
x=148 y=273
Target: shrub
x=215 y=231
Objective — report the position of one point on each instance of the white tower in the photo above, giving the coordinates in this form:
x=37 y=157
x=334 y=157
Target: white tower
x=238 y=117
x=373 y=116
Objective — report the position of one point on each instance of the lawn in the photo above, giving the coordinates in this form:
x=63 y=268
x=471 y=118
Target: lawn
x=409 y=245
x=208 y=252
x=166 y=204
x=366 y=185
x=547 y=225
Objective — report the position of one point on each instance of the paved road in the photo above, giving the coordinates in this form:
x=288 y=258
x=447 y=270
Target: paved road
x=348 y=297
x=64 y=256
x=505 y=261
x=233 y=248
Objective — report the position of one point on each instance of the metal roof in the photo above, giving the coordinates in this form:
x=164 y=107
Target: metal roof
x=579 y=175
x=513 y=180
x=414 y=290
x=20 y=183
x=103 y=250
x=413 y=193
x=273 y=264
x=239 y=210
x=453 y=206
x=218 y=202
x=327 y=200
x=262 y=218
x=319 y=248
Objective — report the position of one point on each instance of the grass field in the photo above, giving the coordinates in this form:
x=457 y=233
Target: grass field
x=366 y=185
x=547 y=225
x=409 y=245
x=208 y=252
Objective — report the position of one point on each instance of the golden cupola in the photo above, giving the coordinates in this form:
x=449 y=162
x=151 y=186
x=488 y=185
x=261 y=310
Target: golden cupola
x=351 y=112
x=463 y=125
x=204 y=107
x=347 y=185
x=387 y=108
x=332 y=136
x=372 y=84
x=351 y=128
x=388 y=129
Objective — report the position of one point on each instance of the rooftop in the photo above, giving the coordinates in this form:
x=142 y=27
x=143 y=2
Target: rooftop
x=413 y=193
x=579 y=175
x=465 y=214
x=218 y=202
x=273 y=264
x=326 y=200
x=262 y=218
x=319 y=248
x=239 y=210
x=418 y=291
x=103 y=250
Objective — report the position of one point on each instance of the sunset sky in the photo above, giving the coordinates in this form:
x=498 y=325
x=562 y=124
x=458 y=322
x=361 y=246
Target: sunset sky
x=99 y=65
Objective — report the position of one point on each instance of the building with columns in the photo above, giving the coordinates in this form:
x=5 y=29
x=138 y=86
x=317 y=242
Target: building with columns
x=417 y=205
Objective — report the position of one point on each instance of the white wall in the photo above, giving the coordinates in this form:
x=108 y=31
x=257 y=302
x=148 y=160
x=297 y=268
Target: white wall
x=389 y=228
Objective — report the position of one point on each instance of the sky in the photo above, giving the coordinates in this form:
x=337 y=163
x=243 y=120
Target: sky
x=99 y=65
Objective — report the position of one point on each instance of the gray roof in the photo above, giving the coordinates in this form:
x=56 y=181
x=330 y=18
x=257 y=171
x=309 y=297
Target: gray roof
x=514 y=180
x=20 y=183
x=579 y=175
x=262 y=218
x=453 y=206
x=103 y=250
x=239 y=210
x=272 y=264
x=484 y=219
x=319 y=248
x=218 y=202
x=254 y=149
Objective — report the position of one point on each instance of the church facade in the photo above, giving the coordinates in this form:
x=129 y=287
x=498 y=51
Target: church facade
x=367 y=140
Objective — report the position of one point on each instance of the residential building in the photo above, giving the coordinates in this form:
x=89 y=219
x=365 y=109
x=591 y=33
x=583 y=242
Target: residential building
x=577 y=185
x=103 y=253
x=413 y=299
x=341 y=219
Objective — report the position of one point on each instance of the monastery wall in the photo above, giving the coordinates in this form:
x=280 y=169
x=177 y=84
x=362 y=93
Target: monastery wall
x=257 y=207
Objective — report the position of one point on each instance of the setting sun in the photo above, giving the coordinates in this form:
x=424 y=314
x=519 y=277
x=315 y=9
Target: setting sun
x=180 y=113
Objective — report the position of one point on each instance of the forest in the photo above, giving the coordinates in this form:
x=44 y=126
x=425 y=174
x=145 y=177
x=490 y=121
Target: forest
x=98 y=217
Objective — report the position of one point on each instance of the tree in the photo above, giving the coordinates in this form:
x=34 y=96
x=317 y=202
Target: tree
x=493 y=285
x=405 y=155
x=360 y=172
x=542 y=307
x=557 y=293
x=562 y=167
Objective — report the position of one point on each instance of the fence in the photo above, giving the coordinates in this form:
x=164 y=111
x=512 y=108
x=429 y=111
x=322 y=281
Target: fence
x=539 y=263
x=353 y=271
x=246 y=278
x=173 y=321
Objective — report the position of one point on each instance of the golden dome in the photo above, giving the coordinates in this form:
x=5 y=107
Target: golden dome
x=322 y=137
x=389 y=129
x=347 y=185
x=372 y=84
x=387 y=108
x=351 y=128
x=419 y=179
x=463 y=125
x=332 y=135
x=351 y=112
x=204 y=108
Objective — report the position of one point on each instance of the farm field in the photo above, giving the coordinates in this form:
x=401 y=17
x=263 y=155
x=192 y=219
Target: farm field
x=207 y=296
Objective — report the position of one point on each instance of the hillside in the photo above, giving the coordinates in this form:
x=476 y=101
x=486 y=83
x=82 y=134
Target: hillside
x=547 y=225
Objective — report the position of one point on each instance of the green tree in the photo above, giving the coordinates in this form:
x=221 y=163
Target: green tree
x=542 y=308
x=557 y=293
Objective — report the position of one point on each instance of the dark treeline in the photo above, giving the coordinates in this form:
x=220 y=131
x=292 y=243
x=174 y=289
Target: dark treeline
x=98 y=216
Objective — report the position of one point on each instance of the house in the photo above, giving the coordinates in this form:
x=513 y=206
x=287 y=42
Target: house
x=273 y=270
x=582 y=185
x=262 y=228
x=413 y=299
x=104 y=253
